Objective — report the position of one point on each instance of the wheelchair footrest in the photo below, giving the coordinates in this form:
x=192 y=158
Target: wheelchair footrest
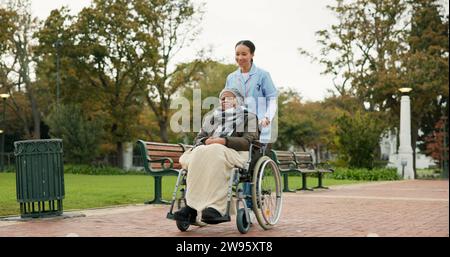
x=217 y=220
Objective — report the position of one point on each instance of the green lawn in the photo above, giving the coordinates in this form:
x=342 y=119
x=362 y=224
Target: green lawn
x=89 y=191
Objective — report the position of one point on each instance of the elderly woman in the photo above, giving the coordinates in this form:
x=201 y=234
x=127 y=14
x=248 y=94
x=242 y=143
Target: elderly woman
x=222 y=144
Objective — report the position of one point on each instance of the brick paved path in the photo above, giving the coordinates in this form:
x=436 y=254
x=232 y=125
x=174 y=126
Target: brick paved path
x=401 y=208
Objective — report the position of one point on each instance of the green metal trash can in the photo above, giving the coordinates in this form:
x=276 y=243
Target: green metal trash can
x=39 y=177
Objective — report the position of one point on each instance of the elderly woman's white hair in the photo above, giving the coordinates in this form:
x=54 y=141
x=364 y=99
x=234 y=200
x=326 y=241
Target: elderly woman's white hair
x=236 y=93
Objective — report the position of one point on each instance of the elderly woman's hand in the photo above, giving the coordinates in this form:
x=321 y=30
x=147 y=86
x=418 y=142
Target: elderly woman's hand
x=217 y=140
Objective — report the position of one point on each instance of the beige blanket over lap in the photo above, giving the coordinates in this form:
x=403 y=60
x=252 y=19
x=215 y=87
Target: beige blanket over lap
x=209 y=170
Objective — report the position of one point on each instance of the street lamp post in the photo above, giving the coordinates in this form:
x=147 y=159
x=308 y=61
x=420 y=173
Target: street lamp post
x=58 y=45
x=2 y=149
x=405 y=151
x=444 y=173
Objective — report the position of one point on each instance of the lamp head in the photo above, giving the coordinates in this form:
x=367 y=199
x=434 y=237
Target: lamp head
x=4 y=96
x=405 y=90
x=1 y=131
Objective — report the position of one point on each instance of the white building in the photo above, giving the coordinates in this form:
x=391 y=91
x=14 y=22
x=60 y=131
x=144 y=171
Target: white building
x=388 y=147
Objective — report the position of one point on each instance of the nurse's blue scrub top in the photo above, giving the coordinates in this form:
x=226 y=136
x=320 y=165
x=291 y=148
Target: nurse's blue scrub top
x=260 y=87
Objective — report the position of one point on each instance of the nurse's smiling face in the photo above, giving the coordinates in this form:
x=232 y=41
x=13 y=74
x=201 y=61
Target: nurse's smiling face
x=244 y=57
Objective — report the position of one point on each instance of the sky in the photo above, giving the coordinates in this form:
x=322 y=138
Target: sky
x=277 y=28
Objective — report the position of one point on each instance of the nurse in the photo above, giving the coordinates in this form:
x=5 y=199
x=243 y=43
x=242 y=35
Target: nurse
x=259 y=92
x=257 y=87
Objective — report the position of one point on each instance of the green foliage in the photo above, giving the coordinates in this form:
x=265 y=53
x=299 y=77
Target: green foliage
x=377 y=47
x=357 y=137
x=97 y=170
x=9 y=169
x=365 y=174
x=120 y=50
x=16 y=65
x=7 y=29
x=174 y=24
x=81 y=136
x=426 y=66
x=428 y=173
x=304 y=124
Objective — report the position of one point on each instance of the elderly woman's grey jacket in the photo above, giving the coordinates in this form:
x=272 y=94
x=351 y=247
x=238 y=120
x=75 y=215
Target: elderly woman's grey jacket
x=239 y=140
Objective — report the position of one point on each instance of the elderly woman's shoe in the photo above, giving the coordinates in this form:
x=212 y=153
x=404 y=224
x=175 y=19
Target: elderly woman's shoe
x=212 y=216
x=186 y=214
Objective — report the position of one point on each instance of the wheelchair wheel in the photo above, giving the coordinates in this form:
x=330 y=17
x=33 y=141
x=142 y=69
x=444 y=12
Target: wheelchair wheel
x=242 y=223
x=266 y=192
x=181 y=225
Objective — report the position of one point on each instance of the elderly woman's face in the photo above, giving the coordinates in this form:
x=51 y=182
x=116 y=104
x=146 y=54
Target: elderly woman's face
x=228 y=100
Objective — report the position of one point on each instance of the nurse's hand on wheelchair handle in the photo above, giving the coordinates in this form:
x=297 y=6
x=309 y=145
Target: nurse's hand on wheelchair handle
x=264 y=122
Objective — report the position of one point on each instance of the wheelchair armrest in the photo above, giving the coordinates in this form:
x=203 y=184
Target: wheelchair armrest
x=261 y=146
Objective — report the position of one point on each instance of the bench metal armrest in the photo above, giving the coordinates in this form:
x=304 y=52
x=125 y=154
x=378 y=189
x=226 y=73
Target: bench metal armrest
x=306 y=165
x=163 y=162
x=325 y=165
x=291 y=164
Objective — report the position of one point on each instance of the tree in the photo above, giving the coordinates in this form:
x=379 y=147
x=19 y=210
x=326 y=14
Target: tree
x=357 y=137
x=81 y=136
x=379 y=46
x=435 y=146
x=109 y=46
x=207 y=80
x=361 y=51
x=425 y=68
x=293 y=128
x=176 y=24
x=16 y=61
x=115 y=60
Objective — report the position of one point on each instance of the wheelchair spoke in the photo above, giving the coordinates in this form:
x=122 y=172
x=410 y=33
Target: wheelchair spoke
x=267 y=192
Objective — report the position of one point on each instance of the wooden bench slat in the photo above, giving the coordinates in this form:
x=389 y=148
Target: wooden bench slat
x=159 y=166
x=285 y=158
x=174 y=148
x=164 y=154
x=157 y=158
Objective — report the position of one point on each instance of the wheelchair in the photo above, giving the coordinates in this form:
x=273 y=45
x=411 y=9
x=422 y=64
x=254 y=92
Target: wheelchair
x=264 y=177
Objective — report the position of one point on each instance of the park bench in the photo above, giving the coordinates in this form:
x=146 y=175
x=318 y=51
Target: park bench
x=286 y=163
x=305 y=165
x=159 y=160
x=298 y=162
x=162 y=159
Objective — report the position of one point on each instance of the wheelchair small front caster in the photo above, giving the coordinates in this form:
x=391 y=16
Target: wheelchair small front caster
x=242 y=223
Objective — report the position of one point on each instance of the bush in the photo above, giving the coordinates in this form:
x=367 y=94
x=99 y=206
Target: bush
x=95 y=170
x=81 y=135
x=90 y=170
x=357 y=137
x=365 y=174
x=9 y=168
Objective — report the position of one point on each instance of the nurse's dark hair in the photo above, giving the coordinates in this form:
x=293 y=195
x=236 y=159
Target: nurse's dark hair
x=248 y=44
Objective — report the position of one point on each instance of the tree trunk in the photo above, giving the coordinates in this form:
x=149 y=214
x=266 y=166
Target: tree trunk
x=36 y=117
x=34 y=108
x=414 y=136
x=318 y=159
x=25 y=69
x=119 y=146
x=163 y=131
